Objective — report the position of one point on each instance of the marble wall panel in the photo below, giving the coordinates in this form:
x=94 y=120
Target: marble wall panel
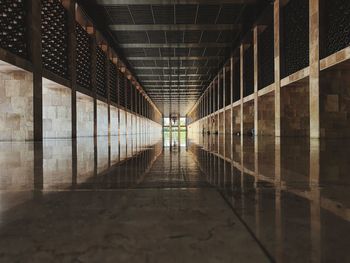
x=266 y=114
x=114 y=121
x=295 y=112
x=85 y=115
x=248 y=117
x=57 y=114
x=102 y=118
x=16 y=105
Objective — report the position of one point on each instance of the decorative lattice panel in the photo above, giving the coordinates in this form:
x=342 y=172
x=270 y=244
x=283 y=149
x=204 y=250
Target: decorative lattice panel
x=54 y=37
x=337 y=33
x=266 y=57
x=121 y=89
x=101 y=72
x=248 y=73
x=113 y=82
x=296 y=36
x=13 y=27
x=83 y=58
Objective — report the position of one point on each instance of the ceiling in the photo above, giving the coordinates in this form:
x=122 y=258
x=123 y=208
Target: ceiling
x=175 y=48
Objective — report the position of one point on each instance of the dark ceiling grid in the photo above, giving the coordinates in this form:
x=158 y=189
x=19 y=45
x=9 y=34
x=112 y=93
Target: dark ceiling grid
x=186 y=42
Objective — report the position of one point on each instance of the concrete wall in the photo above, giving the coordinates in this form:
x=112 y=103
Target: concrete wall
x=85 y=115
x=295 y=116
x=266 y=114
x=16 y=105
x=57 y=113
x=102 y=118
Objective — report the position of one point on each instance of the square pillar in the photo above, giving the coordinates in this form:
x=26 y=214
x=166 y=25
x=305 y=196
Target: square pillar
x=314 y=94
x=277 y=10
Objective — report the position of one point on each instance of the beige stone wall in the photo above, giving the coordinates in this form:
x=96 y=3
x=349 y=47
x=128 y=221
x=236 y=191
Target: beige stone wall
x=114 y=120
x=57 y=164
x=122 y=126
x=236 y=120
x=17 y=166
x=221 y=122
x=102 y=118
x=57 y=114
x=266 y=114
x=114 y=149
x=335 y=103
x=228 y=121
x=248 y=117
x=16 y=105
x=295 y=113
x=85 y=115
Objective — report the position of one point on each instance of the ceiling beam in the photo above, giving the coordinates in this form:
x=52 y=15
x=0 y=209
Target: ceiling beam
x=176 y=58
x=172 y=2
x=176 y=45
x=172 y=75
x=174 y=27
x=173 y=81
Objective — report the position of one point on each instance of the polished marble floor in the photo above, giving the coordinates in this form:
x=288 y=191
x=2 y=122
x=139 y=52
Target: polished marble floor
x=193 y=198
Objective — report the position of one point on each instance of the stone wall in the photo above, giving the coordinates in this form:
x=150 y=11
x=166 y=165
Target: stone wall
x=57 y=113
x=102 y=118
x=295 y=109
x=122 y=126
x=228 y=121
x=335 y=102
x=114 y=120
x=221 y=122
x=248 y=117
x=85 y=115
x=102 y=155
x=266 y=114
x=16 y=105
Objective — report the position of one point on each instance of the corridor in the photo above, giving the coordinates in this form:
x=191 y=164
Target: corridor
x=213 y=199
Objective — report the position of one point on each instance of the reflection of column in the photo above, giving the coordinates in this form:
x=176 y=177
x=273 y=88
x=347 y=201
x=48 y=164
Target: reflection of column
x=38 y=166
x=74 y=163
x=257 y=189
x=315 y=210
x=278 y=229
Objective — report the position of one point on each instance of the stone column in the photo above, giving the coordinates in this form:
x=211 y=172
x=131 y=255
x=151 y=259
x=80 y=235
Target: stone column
x=224 y=99
x=231 y=99
x=314 y=88
x=72 y=45
x=92 y=32
x=241 y=54
x=108 y=79
x=256 y=80
x=277 y=7
x=34 y=20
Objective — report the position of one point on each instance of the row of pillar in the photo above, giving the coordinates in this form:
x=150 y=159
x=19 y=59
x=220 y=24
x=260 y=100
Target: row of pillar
x=210 y=99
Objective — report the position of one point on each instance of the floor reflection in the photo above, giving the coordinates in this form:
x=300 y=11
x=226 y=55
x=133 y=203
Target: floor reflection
x=292 y=194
